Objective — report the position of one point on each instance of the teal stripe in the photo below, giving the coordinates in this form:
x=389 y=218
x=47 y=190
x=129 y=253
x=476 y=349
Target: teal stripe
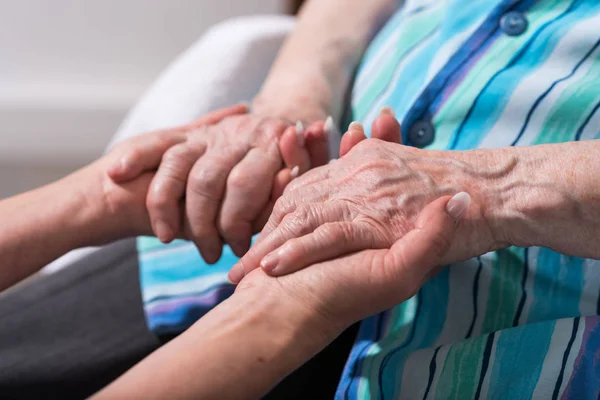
x=493 y=100
x=428 y=326
x=519 y=358
x=557 y=287
x=372 y=52
x=460 y=18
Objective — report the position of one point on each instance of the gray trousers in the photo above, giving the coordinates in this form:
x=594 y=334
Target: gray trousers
x=67 y=335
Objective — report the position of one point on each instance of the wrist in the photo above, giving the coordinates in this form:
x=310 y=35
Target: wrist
x=514 y=196
x=307 y=329
x=112 y=211
x=296 y=107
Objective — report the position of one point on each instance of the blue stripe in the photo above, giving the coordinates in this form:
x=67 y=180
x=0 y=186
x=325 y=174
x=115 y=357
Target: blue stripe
x=414 y=75
x=519 y=360
x=425 y=330
x=557 y=287
x=467 y=51
x=492 y=99
x=366 y=336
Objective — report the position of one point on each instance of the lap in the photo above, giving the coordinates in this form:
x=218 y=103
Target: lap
x=68 y=334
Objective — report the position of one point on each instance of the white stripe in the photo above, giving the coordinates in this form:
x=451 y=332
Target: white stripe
x=553 y=360
x=569 y=50
x=459 y=312
x=439 y=360
x=372 y=67
x=415 y=373
x=448 y=49
x=588 y=299
x=545 y=108
x=196 y=285
x=377 y=61
x=485 y=280
x=399 y=73
x=150 y=255
x=573 y=353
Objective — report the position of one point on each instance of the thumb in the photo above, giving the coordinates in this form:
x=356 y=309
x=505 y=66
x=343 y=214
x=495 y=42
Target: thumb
x=386 y=127
x=423 y=248
x=292 y=146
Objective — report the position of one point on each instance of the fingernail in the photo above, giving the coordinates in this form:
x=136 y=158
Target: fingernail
x=458 y=205
x=329 y=126
x=300 y=133
x=295 y=172
x=356 y=126
x=163 y=232
x=387 y=110
x=269 y=262
x=236 y=274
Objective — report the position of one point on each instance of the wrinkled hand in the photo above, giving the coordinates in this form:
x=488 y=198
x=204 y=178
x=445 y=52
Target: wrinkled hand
x=368 y=199
x=121 y=178
x=219 y=177
x=350 y=288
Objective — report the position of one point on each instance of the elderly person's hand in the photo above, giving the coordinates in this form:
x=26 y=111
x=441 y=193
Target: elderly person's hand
x=347 y=289
x=291 y=318
x=369 y=199
x=226 y=173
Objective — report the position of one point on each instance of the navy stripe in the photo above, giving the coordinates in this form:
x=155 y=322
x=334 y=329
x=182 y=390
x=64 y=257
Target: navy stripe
x=475 y=295
x=547 y=92
x=523 y=291
x=432 y=368
x=411 y=336
x=598 y=305
x=510 y=64
x=485 y=362
x=587 y=121
x=467 y=51
x=565 y=358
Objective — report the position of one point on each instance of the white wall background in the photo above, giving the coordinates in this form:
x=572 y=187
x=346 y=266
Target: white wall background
x=70 y=69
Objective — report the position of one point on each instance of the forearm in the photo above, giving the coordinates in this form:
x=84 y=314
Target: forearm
x=316 y=64
x=239 y=350
x=37 y=227
x=43 y=224
x=552 y=198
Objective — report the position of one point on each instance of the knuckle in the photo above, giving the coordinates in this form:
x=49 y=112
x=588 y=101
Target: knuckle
x=298 y=222
x=205 y=181
x=133 y=156
x=157 y=201
x=240 y=180
x=293 y=249
x=283 y=206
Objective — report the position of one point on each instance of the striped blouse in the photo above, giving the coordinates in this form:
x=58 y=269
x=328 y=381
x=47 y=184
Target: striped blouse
x=517 y=323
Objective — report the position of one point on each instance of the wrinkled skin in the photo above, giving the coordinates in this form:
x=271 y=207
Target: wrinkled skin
x=216 y=180
x=368 y=200
x=347 y=289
